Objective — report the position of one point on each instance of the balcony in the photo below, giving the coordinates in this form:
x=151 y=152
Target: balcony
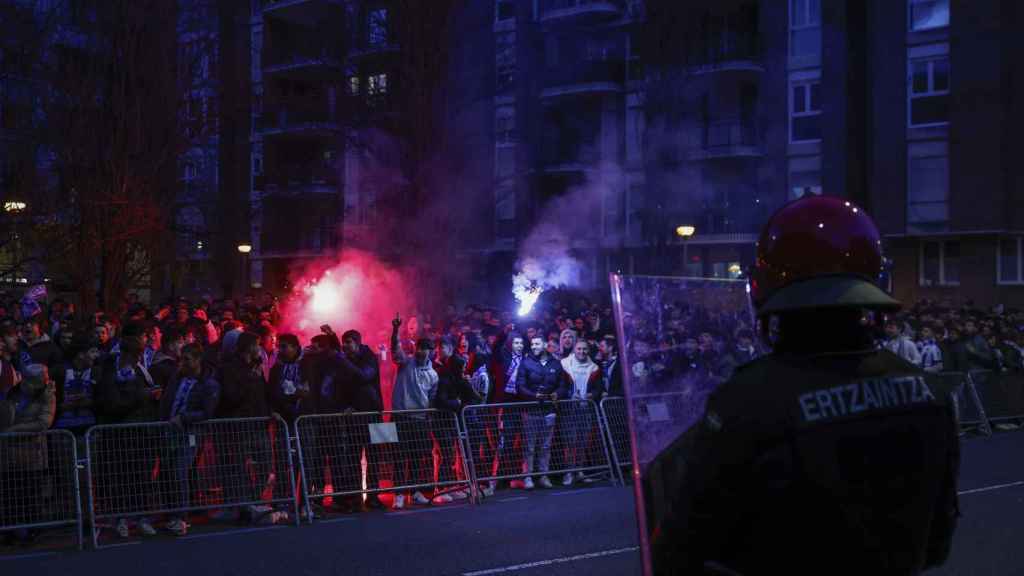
x=304 y=63
x=561 y=10
x=305 y=12
x=731 y=138
x=297 y=121
x=593 y=77
x=298 y=180
x=725 y=52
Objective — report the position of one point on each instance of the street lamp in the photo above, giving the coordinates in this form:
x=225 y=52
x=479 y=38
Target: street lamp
x=14 y=206
x=685 y=232
x=244 y=250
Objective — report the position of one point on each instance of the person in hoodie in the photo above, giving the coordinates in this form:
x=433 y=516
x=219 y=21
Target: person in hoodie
x=415 y=388
x=453 y=392
x=28 y=407
x=165 y=361
x=191 y=397
x=38 y=348
x=357 y=385
x=244 y=395
x=126 y=393
x=578 y=417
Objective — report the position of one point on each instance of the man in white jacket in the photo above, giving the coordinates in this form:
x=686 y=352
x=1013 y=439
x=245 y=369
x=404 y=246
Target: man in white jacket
x=899 y=344
x=578 y=422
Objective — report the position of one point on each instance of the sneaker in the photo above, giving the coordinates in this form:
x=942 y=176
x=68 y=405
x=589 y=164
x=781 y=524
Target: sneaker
x=420 y=499
x=146 y=528
x=545 y=482
x=122 y=528
x=178 y=526
x=459 y=495
x=567 y=479
x=528 y=484
x=442 y=499
x=488 y=490
x=399 y=502
x=580 y=476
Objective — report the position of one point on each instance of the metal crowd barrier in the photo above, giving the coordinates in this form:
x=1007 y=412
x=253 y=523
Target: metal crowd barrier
x=559 y=440
x=333 y=447
x=145 y=469
x=39 y=481
x=1000 y=395
x=616 y=424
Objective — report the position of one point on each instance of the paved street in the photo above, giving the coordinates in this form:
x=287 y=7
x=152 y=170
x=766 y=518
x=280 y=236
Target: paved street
x=563 y=531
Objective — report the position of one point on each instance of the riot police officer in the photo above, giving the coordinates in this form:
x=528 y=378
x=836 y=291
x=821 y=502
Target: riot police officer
x=826 y=456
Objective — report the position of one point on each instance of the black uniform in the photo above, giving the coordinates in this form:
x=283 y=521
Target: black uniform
x=827 y=464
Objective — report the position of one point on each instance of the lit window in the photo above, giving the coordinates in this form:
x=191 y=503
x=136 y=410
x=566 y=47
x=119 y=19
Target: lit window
x=1008 y=261
x=804 y=28
x=929 y=91
x=377 y=27
x=377 y=84
x=353 y=85
x=805 y=111
x=940 y=263
x=928 y=14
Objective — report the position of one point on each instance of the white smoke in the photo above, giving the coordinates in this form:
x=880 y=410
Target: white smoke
x=546 y=259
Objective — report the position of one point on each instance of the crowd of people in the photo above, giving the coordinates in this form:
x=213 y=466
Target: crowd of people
x=941 y=337
x=188 y=362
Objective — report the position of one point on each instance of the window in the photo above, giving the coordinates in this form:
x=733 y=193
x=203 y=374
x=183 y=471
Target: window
x=805 y=111
x=505 y=59
x=505 y=10
x=505 y=125
x=377 y=85
x=940 y=263
x=927 y=189
x=803 y=184
x=929 y=91
x=804 y=28
x=353 y=86
x=1008 y=261
x=377 y=27
x=928 y=14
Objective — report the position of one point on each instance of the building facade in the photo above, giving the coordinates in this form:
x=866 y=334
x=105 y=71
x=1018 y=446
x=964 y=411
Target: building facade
x=721 y=112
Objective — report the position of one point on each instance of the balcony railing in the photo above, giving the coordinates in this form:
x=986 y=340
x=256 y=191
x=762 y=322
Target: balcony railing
x=728 y=138
x=298 y=178
x=559 y=9
x=296 y=119
x=593 y=76
x=322 y=56
x=728 y=50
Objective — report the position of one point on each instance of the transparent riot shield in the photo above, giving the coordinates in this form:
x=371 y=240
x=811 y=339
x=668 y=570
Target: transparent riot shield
x=679 y=338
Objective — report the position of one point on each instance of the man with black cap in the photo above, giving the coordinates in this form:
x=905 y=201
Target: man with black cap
x=826 y=456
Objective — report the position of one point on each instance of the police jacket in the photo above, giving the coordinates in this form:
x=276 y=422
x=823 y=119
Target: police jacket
x=826 y=464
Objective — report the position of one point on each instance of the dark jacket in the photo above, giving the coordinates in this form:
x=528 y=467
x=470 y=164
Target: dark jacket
x=243 y=391
x=611 y=371
x=535 y=378
x=129 y=400
x=293 y=388
x=357 y=380
x=453 y=388
x=200 y=404
x=163 y=369
x=800 y=460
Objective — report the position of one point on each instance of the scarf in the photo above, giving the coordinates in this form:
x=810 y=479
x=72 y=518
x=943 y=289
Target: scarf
x=511 y=373
x=580 y=373
x=181 y=398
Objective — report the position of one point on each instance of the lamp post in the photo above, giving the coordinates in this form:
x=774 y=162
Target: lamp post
x=244 y=250
x=685 y=232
